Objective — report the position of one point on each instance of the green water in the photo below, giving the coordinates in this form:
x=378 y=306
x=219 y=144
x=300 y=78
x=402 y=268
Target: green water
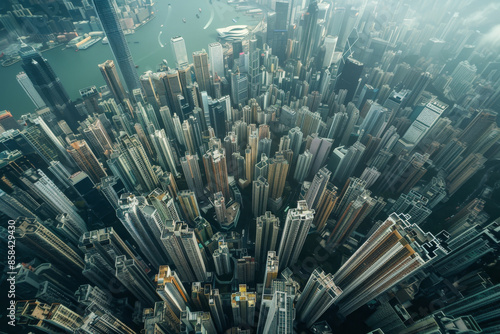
x=79 y=69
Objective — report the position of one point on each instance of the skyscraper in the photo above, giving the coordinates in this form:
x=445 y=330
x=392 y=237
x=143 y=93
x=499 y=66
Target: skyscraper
x=278 y=171
x=170 y=289
x=48 y=85
x=179 y=50
x=201 y=71
x=243 y=304
x=297 y=224
x=189 y=204
x=191 y=170
x=309 y=38
x=110 y=75
x=348 y=160
x=393 y=252
x=33 y=234
x=260 y=193
x=141 y=220
x=325 y=207
x=109 y=19
x=216 y=56
x=135 y=280
x=277 y=309
x=317 y=188
x=214 y=161
x=349 y=78
x=30 y=90
x=138 y=162
x=164 y=150
x=101 y=247
x=86 y=160
x=183 y=249
x=267 y=228
x=42 y=187
x=417 y=130
x=317 y=296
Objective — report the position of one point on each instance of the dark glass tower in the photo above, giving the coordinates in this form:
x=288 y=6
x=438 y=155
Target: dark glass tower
x=48 y=85
x=116 y=38
x=308 y=41
x=349 y=78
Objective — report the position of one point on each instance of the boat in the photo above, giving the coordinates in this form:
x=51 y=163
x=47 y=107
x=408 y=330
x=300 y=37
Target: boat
x=136 y=66
x=184 y=20
x=136 y=42
x=198 y=16
x=234 y=20
x=89 y=43
x=199 y=9
x=161 y=26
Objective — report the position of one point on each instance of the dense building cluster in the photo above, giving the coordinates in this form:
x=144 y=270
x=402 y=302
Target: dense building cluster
x=282 y=182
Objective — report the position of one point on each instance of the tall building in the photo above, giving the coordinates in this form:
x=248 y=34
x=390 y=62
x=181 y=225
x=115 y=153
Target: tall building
x=416 y=92
x=12 y=208
x=222 y=259
x=7 y=122
x=110 y=75
x=135 y=280
x=165 y=153
x=189 y=204
x=243 y=305
x=179 y=50
x=463 y=172
x=468 y=248
x=137 y=162
x=278 y=171
x=160 y=318
x=317 y=296
x=325 y=207
x=86 y=160
x=246 y=268
x=348 y=160
x=395 y=251
x=297 y=225
x=40 y=240
x=44 y=189
x=191 y=171
x=309 y=39
x=277 y=311
x=272 y=268
x=483 y=306
x=144 y=224
x=317 y=188
x=106 y=11
x=260 y=193
x=330 y=44
x=349 y=78
x=216 y=55
x=350 y=219
x=182 y=247
x=214 y=161
x=170 y=289
x=267 y=229
x=101 y=247
x=48 y=85
x=50 y=318
x=419 y=128
x=304 y=163
x=30 y=90
x=201 y=71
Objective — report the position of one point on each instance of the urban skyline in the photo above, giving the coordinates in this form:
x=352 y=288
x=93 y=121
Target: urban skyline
x=332 y=168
